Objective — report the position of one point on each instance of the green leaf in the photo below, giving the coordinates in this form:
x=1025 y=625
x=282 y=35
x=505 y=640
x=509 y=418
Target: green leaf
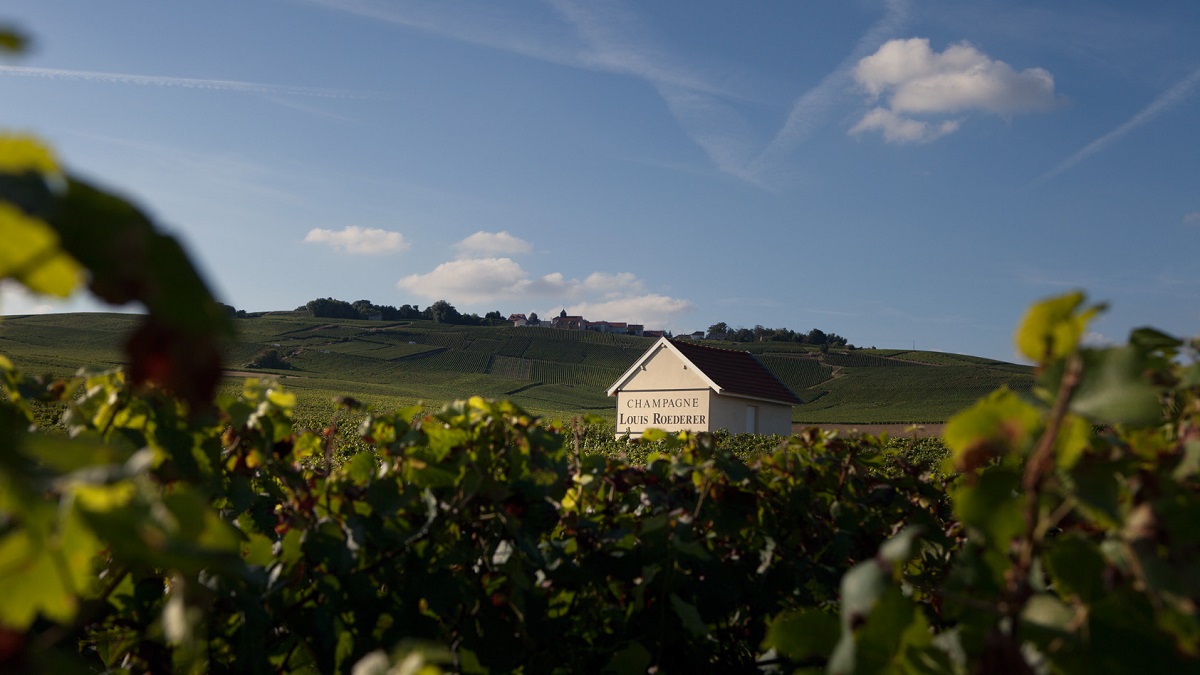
x=257 y=550
x=361 y=468
x=46 y=566
x=652 y=435
x=1074 y=438
x=689 y=615
x=21 y=154
x=1052 y=328
x=1190 y=376
x=632 y=658
x=803 y=634
x=1150 y=339
x=992 y=505
x=1047 y=612
x=1076 y=567
x=281 y=399
x=31 y=254
x=1096 y=486
x=873 y=644
x=997 y=425
x=1114 y=389
x=65 y=455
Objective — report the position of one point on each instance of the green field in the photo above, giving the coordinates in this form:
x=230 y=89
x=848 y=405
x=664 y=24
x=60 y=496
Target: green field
x=551 y=372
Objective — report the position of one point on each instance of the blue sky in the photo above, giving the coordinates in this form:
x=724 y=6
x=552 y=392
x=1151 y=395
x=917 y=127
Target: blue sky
x=899 y=173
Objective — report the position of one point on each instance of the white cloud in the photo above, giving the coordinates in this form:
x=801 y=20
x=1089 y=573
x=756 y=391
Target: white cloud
x=897 y=129
x=650 y=310
x=359 y=240
x=612 y=285
x=485 y=282
x=1193 y=217
x=16 y=299
x=472 y=282
x=491 y=244
x=916 y=81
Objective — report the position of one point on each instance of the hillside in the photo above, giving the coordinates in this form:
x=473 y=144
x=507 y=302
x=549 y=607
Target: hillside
x=552 y=372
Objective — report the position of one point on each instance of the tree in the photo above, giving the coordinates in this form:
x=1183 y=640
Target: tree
x=365 y=308
x=269 y=358
x=332 y=309
x=533 y=319
x=718 y=331
x=816 y=336
x=442 y=312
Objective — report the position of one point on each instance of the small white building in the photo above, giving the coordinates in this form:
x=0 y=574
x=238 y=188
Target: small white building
x=677 y=386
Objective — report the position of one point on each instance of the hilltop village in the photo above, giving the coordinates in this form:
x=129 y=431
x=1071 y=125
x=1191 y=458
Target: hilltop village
x=573 y=322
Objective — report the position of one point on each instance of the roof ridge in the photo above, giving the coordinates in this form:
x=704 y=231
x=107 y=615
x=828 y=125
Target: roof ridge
x=690 y=343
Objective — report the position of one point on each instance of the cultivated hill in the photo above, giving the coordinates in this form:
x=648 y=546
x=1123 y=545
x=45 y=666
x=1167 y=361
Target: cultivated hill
x=548 y=371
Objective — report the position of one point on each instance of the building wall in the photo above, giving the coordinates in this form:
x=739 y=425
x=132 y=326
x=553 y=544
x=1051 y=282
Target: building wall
x=775 y=419
x=730 y=413
x=671 y=410
x=663 y=371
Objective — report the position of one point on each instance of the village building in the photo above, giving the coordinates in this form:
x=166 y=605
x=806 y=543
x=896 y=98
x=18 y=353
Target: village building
x=617 y=327
x=568 y=322
x=677 y=386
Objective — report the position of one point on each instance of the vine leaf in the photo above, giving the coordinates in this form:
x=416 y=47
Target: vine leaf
x=1113 y=389
x=803 y=634
x=46 y=566
x=57 y=226
x=1052 y=328
x=1000 y=424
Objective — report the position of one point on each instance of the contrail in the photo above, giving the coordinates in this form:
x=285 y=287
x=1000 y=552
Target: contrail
x=185 y=82
x=1164 y=102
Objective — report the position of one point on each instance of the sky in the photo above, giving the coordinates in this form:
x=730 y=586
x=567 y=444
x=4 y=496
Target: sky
x=904 y=174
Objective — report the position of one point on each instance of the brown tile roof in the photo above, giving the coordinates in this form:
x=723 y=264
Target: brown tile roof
x=737 y=372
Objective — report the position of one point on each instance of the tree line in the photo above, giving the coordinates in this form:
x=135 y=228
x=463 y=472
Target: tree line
x=816 y=336
x=438 y=312
x=444 y=312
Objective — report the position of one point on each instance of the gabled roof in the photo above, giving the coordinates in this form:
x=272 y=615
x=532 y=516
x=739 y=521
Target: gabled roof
x=727 y=371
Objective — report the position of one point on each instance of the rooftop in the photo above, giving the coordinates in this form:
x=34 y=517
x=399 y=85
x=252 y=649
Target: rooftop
x=736 y=372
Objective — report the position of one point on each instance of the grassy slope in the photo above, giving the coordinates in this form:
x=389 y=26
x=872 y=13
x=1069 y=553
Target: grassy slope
x=551 y=372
